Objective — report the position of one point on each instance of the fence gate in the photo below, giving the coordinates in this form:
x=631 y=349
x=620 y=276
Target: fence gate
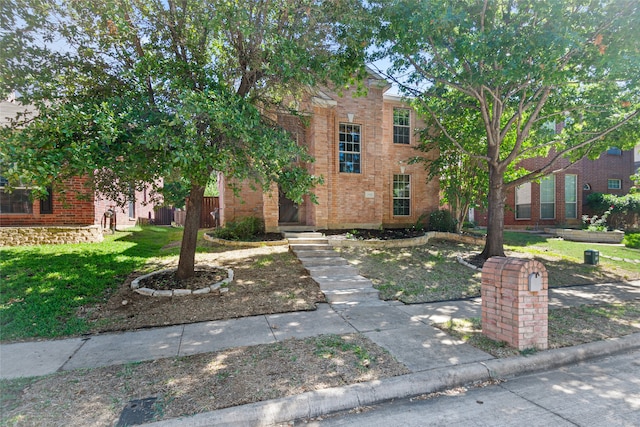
x=209 y=204
x=164 y=216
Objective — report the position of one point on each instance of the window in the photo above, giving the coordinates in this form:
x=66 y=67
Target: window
x=523 y=201
x=46 y=204
x=614 y=151
x=401 y=126
x=614 y=184
x=17 y=202
x=349 y=150
x=401 y=195
x=571 y=196
x=548 y=197
x=132 y=202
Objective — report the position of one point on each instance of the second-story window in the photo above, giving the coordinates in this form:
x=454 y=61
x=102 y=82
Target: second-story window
x=401 y=126
x=350 y=147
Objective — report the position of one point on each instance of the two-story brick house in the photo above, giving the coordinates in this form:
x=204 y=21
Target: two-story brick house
x=558 y=199
x=361 y=146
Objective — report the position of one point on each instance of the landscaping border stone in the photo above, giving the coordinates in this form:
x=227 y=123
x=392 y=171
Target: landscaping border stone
x=413 y=241
x=220 y=286
x=212 y=239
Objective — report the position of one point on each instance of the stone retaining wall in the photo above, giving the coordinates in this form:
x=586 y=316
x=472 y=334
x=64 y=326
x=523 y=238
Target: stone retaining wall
x=28 y=236
x=587 y=236
x=241 y=243
x=414 y=241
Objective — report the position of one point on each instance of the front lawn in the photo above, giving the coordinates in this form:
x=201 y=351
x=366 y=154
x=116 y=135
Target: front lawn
x=43 y=287
x=431 y=273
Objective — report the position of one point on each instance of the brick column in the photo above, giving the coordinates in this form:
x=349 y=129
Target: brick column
x=511 y=312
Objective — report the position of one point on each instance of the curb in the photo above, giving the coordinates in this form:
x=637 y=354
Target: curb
x=322 y=402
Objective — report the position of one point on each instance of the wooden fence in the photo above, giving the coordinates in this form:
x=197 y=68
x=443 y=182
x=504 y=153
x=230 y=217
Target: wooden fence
x=209 y=204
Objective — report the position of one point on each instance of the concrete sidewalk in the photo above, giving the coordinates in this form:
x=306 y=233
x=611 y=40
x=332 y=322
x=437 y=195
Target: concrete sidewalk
x=436 y=360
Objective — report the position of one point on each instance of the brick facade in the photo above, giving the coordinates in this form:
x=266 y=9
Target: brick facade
x=79 y=207
x=346 y=200
x=592 y=177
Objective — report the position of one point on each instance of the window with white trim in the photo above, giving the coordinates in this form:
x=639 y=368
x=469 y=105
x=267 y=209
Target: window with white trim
x=401 y=195
x=349 y=147
x=614 y=184
x=132 y=203
x=548 y=197
x=401 y=126
x=18 y=201
x=523 y=201
x=571 y=196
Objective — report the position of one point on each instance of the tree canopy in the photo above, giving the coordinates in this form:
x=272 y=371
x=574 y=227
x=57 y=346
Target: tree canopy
x=131 y=91
x=513 y=67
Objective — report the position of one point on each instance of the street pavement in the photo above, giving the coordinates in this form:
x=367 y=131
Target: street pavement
x=601 y=392
x=436 y=360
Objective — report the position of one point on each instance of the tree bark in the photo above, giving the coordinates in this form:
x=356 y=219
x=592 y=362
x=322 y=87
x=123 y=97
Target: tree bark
x=186 y=264
x=494 y=245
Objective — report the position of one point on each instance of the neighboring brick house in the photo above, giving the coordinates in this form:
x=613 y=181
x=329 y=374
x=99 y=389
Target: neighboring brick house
x=558 y=199
x=19 y=210
x=361 y=146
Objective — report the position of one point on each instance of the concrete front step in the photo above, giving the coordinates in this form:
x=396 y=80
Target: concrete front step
x=336 y=285
x=311 y=253
x=309 y=241
x=309 y=247
x=332 y=271
x=302 y=235
x=322 y=261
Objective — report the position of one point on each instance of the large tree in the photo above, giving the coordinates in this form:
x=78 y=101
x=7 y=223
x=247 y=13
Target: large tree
x=463 y=178
x=518 y=66
x=131 y=91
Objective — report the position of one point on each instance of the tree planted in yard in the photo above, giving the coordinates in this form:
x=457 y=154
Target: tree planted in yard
x=463 y=178
x=131 y=91
x=517 y=68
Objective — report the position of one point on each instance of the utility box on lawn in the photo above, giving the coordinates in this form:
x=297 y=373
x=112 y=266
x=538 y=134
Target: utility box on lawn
x=591 y=257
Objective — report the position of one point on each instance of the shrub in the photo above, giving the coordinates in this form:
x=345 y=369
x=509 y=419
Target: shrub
x=245 y=229
x=624 y=210
x=632 y=240
x=442 y=220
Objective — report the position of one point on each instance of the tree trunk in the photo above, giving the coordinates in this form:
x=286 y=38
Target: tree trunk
x=462 y=215
x=187 y=260
x=494 y=245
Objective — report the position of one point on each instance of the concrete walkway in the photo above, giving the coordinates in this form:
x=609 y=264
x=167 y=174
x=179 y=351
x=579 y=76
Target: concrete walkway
x=435 y=359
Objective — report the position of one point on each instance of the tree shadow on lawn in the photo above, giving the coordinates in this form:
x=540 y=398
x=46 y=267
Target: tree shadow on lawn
x=47 y=290
x=41 y=292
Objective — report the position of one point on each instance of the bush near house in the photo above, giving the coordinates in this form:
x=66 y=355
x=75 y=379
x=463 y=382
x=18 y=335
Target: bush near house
x=442 y=220
x=245 y=229
x=625 y=210
x=632 y=240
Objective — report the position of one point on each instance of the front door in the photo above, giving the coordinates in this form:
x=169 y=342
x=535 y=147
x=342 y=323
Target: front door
x=288 y=209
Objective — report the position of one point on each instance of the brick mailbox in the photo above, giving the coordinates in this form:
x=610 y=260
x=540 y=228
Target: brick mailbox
x=515 y=302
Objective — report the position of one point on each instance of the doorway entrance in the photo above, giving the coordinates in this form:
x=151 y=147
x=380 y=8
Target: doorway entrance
x=287 y=209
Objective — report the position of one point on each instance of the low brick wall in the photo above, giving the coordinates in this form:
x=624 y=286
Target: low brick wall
x=587 y=236
x=29 y=236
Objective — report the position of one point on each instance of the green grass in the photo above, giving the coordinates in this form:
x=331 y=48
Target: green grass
x=573 y=251
x=44 y=286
